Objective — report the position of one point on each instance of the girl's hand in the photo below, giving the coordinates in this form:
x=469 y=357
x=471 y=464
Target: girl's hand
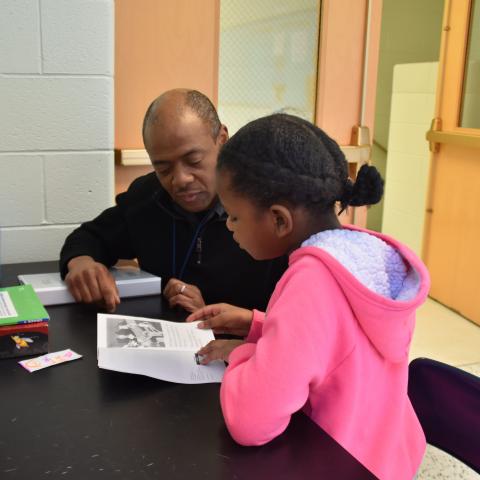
x=224 y=318
x=218 y=350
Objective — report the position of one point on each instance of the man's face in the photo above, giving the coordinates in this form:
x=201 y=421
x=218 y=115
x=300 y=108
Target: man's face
x=184 y=156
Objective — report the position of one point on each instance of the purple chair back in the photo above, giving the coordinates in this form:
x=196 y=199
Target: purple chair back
x=447 y=403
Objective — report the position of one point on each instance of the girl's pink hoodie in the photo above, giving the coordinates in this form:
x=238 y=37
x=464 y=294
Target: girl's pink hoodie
x=332 y=347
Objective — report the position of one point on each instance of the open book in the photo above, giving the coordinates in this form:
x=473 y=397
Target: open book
x=155 y=348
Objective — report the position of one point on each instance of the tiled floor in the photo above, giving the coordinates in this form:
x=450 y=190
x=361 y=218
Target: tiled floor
x=445 y=336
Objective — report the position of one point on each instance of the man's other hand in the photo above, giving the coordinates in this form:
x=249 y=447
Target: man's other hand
x=183 y=294
x=90 y=282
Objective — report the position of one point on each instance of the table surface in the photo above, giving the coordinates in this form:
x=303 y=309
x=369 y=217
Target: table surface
x=77 y=421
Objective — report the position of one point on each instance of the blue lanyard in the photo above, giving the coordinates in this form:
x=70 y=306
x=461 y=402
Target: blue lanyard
x=190 y=248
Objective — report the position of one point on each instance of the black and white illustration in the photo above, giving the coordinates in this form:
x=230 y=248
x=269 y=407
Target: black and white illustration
x=128 y=333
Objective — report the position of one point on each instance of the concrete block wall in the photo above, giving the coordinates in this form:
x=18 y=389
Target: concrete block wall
x=56 y=122
x=408 y=160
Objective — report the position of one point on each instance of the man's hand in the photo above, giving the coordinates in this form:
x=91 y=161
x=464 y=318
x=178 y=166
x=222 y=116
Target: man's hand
x=91 y=282
x=183 y=294
x=218 y=350
x=224 y=318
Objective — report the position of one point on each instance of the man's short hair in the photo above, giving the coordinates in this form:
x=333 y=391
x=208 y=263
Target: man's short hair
x=194 y=100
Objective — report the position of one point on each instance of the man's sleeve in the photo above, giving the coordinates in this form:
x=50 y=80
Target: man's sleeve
x=266 y=382
x=106 y=238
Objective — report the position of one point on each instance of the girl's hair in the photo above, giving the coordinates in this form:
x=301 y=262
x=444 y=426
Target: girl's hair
x=283 y=158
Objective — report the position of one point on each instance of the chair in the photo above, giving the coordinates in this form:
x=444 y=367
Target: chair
x=447 y=403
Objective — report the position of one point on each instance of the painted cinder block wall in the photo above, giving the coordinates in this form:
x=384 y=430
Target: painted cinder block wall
x=56 y=122
x=408 y=159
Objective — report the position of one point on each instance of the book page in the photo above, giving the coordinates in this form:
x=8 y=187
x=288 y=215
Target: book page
x=43 y=280
x=186 y=336
x=7 y=309
x=137 y=332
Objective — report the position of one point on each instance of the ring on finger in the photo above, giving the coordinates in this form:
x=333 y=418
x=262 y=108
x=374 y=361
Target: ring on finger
x=182 y=288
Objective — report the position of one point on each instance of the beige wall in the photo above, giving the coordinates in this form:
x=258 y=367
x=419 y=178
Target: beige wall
x=159 y=45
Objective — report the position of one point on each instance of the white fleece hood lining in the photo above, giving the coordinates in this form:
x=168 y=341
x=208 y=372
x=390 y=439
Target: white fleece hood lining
x=373 y=262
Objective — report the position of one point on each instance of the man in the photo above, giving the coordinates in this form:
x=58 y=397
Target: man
x=171 y=220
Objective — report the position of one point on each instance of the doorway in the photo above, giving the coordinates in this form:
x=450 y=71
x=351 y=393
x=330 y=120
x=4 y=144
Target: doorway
x=410 y=35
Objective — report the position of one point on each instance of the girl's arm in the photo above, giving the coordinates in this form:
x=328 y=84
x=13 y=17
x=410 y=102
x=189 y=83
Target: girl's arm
x=256 y=327
x=267 y=382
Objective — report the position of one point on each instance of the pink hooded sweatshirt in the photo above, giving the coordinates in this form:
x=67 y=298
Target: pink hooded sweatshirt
x=334 y=342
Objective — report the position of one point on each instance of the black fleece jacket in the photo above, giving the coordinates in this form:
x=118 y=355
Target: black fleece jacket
x=147 y=225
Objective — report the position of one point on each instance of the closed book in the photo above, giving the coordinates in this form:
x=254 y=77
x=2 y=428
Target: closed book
x=20 y=304
x=131 y=282
x=23 y=339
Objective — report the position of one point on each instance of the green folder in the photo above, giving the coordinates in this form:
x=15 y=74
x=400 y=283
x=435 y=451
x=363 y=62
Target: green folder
x=21 y=304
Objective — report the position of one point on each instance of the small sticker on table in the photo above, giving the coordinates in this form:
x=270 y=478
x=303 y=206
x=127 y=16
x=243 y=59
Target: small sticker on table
x=44 y=361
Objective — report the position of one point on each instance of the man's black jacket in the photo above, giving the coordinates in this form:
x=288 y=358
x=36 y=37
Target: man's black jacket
x=145 y=224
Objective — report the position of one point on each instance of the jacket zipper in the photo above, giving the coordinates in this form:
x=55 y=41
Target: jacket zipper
x=199 y=250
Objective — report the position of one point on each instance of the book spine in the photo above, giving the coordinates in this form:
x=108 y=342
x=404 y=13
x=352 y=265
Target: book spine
x=20 y=322
x=35 y=320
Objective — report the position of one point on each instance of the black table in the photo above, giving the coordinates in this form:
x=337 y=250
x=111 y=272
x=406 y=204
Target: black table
x=75 y=421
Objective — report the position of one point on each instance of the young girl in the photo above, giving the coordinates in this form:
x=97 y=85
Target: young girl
x=335 y=337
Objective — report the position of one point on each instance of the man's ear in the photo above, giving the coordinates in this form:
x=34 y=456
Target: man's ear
x=222 y=136
x=282 y=220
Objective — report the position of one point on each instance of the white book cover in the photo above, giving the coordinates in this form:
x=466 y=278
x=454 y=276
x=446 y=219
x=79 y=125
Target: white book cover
x=155 y=348
x=131 y=282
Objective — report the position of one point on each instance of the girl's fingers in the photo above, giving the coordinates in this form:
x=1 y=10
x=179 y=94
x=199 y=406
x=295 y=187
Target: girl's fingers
x=205 y=324
x=215 y=322
x=203 y=313
x=207 y=348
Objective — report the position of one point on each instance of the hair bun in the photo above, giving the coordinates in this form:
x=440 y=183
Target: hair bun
x=368 y=187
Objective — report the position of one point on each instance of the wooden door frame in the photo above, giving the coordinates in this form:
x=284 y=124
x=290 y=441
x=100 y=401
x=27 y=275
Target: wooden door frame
x=452 y=218
x=349 y=46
